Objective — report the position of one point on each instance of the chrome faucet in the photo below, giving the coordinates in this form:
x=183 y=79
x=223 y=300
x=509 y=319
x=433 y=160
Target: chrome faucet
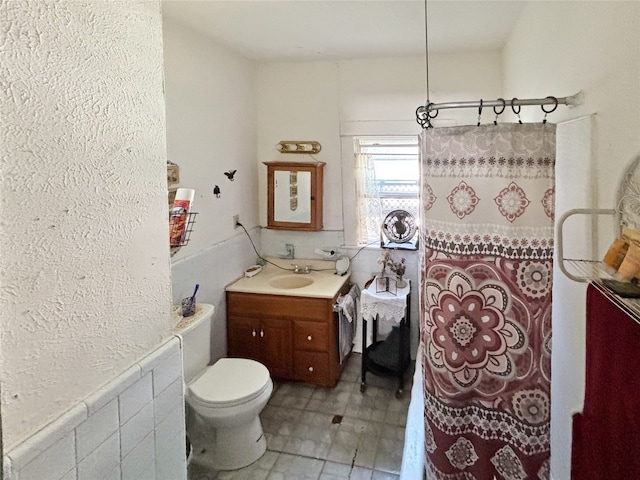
x=299 y=269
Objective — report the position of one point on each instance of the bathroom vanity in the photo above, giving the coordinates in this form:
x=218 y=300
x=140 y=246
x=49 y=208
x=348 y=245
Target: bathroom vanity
x=286 y=321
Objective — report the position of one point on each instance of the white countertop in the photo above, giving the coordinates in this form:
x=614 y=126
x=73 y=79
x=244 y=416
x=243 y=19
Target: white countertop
x=325 y=281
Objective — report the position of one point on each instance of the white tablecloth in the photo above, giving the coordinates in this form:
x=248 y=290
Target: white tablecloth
x=388 y=307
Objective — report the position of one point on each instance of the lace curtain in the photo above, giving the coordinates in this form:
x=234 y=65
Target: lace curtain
x=368 y=198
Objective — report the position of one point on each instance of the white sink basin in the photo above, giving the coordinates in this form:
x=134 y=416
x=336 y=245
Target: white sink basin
x=278 y=278
x=288 y=282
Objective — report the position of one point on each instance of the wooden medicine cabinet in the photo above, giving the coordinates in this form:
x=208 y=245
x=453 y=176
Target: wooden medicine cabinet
x=294 y=195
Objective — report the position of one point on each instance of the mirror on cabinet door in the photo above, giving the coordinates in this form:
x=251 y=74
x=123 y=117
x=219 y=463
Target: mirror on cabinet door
x=294 y=195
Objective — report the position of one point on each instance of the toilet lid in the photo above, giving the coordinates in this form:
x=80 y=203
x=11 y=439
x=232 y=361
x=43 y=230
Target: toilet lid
x=230 y=381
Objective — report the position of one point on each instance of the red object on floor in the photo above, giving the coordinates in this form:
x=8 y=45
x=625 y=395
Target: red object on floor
x=606 y=435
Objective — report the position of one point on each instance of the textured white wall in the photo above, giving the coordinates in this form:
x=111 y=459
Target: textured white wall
x=84 y=260
x=211 y=129
x=560 y=48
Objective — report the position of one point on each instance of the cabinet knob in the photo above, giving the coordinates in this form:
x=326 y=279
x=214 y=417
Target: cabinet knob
x=253 y=333
x=311 y=369
x=261 y=333
x=309 y=338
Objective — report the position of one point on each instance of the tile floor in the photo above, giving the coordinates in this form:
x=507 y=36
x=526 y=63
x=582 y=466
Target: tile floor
x=329 y=434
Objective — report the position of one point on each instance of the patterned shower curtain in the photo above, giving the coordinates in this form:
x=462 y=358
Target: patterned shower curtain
x=487 y=243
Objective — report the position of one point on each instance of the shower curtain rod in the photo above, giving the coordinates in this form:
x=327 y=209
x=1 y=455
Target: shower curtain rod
x=571 y=101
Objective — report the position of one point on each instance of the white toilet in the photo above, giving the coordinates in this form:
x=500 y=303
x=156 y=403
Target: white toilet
x=223 y=400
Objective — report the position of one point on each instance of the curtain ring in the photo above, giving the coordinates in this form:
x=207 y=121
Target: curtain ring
x=421 y=116
x=544 y=120
x=555 y=105
x=429 y=113
x=479 y=112
x=424 y=116
x=504 y=104
x=513 y=107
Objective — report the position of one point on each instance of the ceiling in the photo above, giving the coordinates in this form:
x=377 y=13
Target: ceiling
x=300 y=30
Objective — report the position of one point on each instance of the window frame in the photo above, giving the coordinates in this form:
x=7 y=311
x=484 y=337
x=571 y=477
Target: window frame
x=349 y=133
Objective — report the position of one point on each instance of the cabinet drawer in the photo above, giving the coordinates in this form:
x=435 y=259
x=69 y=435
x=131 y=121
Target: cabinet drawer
x=311 y=336
x=278 y=306
x=312 y=367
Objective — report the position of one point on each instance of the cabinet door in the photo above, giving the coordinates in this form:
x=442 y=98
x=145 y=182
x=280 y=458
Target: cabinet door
x=275 y=342
x=294 y=195
x=243 y=338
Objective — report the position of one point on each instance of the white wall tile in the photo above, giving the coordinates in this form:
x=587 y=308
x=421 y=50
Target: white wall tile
x=167 y=372
x=72 y=475
x=7 y=469
x=171 y=463
x=53 y=463
x=102 y=461
x=172 y=466
x=111 y=435
x=159 y=355
x=112 y=389
x=139 y=463
x=45 y=438
x=134 y=398
x=114 y=474
x=214 y=268
x=96 y=429
x=171 y=426
x=135 y=430
x=170 y=399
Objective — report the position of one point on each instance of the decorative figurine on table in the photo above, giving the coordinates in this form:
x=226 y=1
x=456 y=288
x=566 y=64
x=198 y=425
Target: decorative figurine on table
x=384 y=261
x=397 y=268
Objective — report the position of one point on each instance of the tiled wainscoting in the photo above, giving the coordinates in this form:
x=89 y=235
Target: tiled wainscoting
x=131 y=429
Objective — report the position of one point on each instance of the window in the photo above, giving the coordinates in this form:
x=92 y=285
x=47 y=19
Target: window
x=387 y=173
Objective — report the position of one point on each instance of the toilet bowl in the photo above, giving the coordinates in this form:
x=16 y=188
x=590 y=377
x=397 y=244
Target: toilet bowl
x=228 y=397
x=223 y=400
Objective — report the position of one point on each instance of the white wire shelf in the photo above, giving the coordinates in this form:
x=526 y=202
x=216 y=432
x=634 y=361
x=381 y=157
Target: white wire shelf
x=584 y=270
x=594 y=271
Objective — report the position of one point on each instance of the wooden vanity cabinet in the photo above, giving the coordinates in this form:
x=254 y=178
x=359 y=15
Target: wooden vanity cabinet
x=296 y=338
x=267 y=341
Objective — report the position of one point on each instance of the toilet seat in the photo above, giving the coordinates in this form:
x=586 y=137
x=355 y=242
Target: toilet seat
x=229 y=382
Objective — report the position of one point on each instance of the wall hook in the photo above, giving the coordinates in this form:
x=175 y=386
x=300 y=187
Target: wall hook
x=230 y=174
x=216 y=191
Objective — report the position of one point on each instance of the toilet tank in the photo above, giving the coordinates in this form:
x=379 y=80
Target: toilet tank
x=195 y=332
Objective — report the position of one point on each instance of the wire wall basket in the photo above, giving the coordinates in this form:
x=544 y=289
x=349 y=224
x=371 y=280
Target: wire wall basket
x=180 y=228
